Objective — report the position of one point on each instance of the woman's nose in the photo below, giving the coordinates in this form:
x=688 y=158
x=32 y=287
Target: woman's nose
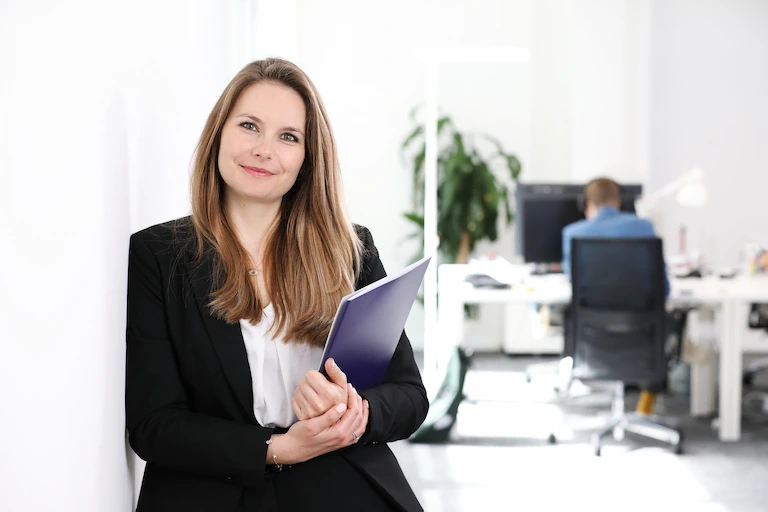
x=262 y=149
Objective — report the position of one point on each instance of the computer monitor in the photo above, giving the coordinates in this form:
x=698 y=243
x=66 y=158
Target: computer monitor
x=544 y=209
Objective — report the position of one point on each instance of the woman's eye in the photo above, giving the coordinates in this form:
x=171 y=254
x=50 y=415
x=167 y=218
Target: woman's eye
x=290 y=137
x=248 y=126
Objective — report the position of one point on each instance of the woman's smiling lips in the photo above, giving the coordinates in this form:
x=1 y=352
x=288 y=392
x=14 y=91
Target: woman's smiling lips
x=256 y=171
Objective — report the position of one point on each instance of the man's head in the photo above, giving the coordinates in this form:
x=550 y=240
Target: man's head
x=601 y=192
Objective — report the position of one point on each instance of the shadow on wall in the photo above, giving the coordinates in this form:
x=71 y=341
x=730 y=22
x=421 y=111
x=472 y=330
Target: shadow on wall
x=115 y=226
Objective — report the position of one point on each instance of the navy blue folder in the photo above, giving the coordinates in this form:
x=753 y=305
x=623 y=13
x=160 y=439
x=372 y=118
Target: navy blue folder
x=368 y=324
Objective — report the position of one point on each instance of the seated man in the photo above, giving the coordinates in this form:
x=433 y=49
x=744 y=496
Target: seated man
x=602 y=198
x=605 y=220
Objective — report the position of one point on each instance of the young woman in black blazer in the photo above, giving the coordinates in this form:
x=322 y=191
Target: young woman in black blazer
x=229 y=308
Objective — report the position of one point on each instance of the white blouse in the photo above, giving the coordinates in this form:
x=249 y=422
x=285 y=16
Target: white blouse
x=276 y=370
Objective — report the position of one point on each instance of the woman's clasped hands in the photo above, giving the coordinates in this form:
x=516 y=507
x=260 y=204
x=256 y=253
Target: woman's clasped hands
x=332 y=415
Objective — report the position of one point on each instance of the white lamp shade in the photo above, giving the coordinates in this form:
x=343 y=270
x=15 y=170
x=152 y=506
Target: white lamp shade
x=693 y=195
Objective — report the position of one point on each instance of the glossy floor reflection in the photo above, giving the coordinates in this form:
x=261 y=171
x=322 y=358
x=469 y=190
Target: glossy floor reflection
x=499 y=458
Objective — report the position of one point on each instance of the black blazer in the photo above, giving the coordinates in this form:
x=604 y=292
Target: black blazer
x=189 y=400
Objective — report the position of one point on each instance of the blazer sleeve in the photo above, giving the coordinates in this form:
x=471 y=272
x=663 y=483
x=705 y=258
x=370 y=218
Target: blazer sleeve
x=398 y=406
x=162 y=429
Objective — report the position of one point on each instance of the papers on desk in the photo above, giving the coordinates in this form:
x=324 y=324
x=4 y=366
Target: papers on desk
x=498 y=269
x=485 y=281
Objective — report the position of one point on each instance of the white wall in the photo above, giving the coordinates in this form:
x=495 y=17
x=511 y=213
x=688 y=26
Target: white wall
x=609 y=47
x=709 y=108
x=99 y=121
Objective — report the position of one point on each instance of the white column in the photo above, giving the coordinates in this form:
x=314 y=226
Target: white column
x=431 y=338
x=734 y=315
x=703 y=388
x=432 y=60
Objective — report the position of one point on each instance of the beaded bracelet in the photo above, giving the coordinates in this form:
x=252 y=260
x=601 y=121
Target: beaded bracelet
x=274 y=457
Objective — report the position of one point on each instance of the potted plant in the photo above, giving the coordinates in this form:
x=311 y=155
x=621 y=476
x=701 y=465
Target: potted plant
x=470 y=194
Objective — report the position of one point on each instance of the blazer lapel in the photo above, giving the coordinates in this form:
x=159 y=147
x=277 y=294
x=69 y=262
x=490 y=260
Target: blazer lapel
x=227 y=339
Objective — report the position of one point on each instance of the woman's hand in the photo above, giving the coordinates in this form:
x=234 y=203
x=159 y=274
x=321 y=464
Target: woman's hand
x=315 y=395
x=339 y=427
x=355 y=399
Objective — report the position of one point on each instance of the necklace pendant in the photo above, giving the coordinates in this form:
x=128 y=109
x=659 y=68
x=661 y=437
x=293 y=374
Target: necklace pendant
x=254 y=272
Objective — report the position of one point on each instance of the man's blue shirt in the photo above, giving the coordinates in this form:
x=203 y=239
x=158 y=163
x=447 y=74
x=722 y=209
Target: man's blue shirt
x=608 y=223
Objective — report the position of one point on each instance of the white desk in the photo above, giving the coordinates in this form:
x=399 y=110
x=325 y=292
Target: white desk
x=731 y=296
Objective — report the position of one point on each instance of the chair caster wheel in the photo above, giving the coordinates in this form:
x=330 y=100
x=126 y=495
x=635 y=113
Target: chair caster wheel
x=596 y=446
x=679 y=445
x=552 y=439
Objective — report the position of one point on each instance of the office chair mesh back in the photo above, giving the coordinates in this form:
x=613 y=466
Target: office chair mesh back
x=617 y=309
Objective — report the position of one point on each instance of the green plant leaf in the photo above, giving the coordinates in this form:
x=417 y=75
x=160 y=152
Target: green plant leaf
x=507 y=207
x=458 y=140
x=513 y=164
x=418 y=160
x=411 y=136
x=415 y=218
x=442 y=122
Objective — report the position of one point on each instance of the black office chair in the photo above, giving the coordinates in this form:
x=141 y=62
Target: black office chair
x=758 y=319
x=618 y=326
x=755 y=399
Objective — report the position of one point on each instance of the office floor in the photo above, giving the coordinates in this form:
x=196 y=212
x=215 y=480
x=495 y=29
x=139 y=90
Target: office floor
x=499 y=459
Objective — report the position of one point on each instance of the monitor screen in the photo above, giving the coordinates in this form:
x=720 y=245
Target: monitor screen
x=544 y=209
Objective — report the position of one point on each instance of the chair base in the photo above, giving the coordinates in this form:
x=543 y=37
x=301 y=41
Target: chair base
x=561 y=368
x=751 y=371
x=650 y=426
x=647 y=425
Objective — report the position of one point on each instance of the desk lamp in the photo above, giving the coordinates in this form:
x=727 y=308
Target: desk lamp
x=689 y=191
x=689 y=188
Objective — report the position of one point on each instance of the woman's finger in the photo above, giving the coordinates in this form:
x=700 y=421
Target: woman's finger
x=341 y=433
x=362 y=424
x=297 y=409
x=324 y=387
x=317 y=403
x=309 y=409
x=359 y=401
x=352 y=402
x=365 y=417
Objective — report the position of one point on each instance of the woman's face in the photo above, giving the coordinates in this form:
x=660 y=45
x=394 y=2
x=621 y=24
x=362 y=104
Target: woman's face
x=262 y=144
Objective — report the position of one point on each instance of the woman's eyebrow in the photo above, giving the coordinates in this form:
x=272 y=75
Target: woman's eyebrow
x=257 y=120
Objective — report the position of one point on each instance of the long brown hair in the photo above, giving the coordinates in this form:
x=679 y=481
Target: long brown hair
x=312 y=253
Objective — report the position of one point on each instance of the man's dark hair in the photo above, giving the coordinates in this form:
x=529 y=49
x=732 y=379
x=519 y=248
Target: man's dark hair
x=602 y=191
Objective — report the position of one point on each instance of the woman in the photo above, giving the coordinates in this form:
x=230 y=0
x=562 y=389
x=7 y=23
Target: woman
x=228 y=312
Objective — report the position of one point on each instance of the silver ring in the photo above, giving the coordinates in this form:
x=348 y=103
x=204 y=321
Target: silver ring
x=354 y=436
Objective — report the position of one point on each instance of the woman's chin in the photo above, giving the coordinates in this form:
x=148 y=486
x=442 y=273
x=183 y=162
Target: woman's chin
x=260 y=197
x=255 y=194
